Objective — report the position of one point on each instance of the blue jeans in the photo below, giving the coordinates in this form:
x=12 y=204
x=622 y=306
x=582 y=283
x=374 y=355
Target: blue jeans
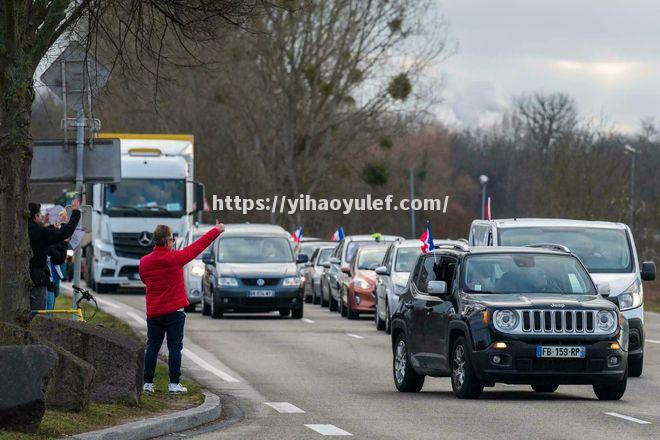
x=157 y=328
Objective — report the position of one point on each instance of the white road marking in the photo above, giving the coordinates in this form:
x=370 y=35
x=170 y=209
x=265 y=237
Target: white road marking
x=652 y=341
x=285 y=408
x=210 y=368
x=308 y=321
x=328 y=430
x=630 y=419
x=108 y=303
x=140 y=320
x=354 y=336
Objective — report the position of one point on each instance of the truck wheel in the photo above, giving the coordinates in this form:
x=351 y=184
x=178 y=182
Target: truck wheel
x=216 y=311
x=612 y=390
x=464 y=382
x=285 y=312
x=206 y=308
x=406 y=379
x=333 y=304
x=635 y=367
x=545 y=387
x=297 y=313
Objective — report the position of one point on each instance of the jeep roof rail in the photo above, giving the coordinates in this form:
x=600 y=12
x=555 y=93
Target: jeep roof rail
x=460 y=246
x=553 y=246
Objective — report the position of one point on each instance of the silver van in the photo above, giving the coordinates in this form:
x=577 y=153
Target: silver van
x=606 y=249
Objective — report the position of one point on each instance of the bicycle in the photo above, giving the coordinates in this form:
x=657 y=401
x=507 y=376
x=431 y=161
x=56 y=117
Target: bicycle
x=78 y=311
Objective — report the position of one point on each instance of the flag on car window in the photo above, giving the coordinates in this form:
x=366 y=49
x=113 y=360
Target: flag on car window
x=427 y=239
x=338 y=234
x=487 y=213
x=297 y=234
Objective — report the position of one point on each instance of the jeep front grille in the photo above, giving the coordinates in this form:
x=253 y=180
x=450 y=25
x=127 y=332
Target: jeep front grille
x=558 y=321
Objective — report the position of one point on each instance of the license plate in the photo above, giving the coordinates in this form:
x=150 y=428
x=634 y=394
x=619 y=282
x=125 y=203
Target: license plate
x=261 y=293
x=544 y=351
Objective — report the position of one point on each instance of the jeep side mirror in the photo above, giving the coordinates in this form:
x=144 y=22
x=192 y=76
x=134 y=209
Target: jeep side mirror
x=346 y=268
x=437 y=288
x=648 y=271
x=603 y=289
x=302 y=258
x=382 y=270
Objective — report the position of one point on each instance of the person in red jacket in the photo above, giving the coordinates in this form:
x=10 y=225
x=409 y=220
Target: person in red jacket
x=162 y=272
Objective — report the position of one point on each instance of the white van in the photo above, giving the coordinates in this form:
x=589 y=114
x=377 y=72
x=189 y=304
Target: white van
x=606 y=249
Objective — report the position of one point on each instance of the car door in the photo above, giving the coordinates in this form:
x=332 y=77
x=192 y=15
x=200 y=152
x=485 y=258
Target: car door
x=381 y=286
x=438 y=314
x=335 y=270
x=415 y=304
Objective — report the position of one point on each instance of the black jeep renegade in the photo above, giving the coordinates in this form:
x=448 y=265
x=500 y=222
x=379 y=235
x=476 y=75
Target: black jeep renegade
x=528 y=315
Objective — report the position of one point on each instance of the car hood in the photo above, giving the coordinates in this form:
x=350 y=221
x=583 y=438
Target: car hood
x=541 y=300
x=266 y=270
x=618 y=282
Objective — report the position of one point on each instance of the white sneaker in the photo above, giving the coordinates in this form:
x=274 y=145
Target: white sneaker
x=148 y=388
x=177 y=388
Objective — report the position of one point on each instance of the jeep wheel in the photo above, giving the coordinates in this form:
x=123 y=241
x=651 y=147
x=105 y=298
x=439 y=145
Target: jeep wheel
x=464 y=382
x=206 y=308
x=297 y=313
x=635 y=367
x=545 y=387
x=216 y=311
x=612 y=390
x=406 y=379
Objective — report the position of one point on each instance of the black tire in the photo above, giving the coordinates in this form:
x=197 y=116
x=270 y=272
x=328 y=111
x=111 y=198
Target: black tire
x=192 y=308
x=350 y=313
x=333 y=305
x=206 y=308
x=545 y=387
x=380 y=324
x=635 y=367
x=285 y=312
x=612 y=390
x=216 y=311
x=308 y=299
x=464 y=382
x=324 y=302
x=406 y=379
x=388 y=319
x=297 y=313
x=315 y=298
x=342 y=308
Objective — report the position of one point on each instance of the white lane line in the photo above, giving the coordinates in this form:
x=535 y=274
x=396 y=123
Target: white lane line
x=354 y=336
x=140 y=320
x=630 y=419
x=328 y=429
x=652 y=341
x=210 y=368
x=308 y=321
x=108 y=303
x=285 y=408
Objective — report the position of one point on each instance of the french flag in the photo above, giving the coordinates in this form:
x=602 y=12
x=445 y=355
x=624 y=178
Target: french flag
x=297 y=234
x=338 y=234
x=487 y=212
x=427 y=239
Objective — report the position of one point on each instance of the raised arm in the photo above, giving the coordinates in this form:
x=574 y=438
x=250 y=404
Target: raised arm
x=185 y=255
x=56 y=235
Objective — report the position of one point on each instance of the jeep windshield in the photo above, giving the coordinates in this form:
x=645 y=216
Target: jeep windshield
x=254 y=250
x=526 y=273
x=601 y=250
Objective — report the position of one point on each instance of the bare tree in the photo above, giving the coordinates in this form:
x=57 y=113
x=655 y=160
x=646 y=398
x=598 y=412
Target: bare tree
x=28 y=28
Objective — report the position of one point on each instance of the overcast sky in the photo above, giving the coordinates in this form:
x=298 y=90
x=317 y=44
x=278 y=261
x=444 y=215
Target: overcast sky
x=605 y=53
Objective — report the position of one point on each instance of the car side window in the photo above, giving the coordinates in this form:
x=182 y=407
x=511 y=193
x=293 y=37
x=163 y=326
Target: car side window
x=386 y=258
x=314 y=256
x=437 y=269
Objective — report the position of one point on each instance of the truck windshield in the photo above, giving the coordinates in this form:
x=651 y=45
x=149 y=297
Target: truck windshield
x=601 y=250
x=526 y=273
x=254 y=250
x=145 y=198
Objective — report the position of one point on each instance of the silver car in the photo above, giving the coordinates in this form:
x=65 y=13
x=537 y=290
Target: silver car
x=314 y=272
x=194 y=271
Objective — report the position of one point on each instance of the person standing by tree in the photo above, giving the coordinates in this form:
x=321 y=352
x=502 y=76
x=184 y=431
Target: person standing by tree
x=41 y=238
x=162 y=272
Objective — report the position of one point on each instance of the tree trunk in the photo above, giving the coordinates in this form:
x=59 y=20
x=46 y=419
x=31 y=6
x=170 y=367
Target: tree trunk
x=16 y=156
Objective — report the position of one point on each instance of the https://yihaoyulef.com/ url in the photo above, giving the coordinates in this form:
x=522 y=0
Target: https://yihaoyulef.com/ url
x=290 y=205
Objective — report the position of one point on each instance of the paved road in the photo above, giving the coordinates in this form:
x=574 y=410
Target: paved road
x=336 y=374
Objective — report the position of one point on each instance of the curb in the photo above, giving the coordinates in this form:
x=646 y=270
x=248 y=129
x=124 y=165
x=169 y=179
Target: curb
x=207 y=412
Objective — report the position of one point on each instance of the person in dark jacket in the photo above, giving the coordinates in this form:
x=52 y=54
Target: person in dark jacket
x=41 y=238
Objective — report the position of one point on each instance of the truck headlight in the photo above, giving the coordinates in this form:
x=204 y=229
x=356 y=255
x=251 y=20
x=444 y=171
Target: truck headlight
x=606 y=320
x=198 y=270
x=227 y=282
x=506 y=319
x=291 y=281
x=106 y=257
x=632 y=297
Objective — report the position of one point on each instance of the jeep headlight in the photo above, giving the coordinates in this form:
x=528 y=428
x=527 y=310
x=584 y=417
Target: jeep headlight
x=197 y=270
x=291 y=281
x=632 y=297
x=606 y=320
x=227 y=282
x=506 y=320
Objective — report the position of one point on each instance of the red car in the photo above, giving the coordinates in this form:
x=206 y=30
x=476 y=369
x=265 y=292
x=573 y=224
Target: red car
x=359 y=292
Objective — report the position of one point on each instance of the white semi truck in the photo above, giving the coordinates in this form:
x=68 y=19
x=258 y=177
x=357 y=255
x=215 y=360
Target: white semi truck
x=156 y=187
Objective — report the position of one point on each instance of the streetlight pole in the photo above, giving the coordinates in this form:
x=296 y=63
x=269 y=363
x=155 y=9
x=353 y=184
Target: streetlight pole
x=412 y=196
x=631 y=199
x=483 y=179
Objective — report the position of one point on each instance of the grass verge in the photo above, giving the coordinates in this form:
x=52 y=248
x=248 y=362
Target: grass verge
x=58 y=424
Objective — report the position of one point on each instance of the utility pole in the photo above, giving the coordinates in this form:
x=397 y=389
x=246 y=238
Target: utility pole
x=412 y=211
x=483 y=179
x=631 y=199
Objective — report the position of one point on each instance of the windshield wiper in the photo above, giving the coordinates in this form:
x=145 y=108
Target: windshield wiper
x=125 y=207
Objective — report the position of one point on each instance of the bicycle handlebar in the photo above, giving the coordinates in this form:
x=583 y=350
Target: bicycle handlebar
x=84 y=295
